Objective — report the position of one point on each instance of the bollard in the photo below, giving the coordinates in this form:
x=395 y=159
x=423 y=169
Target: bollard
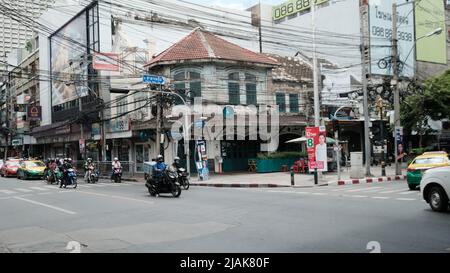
x=292 y=178
x=383 y=168
x=316 y=178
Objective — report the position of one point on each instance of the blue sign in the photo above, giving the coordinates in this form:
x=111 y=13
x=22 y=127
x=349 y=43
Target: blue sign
x=228 y=112
x=152 y=79
x=199 y=124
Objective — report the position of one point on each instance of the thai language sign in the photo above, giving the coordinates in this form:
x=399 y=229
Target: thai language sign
x=316 y=142
x=380 y=33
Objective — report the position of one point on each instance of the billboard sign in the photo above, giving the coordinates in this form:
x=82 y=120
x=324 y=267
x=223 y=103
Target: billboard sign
x=68 y=48
x=317 y=148
x=291 y=7
x=380 y=33
x=430 y=15
x=106 y=61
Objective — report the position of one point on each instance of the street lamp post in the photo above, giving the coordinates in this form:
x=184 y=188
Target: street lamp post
x=381 y=107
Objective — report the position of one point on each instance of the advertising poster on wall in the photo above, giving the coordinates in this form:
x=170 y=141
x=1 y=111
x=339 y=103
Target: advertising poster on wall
x=68 y=46
x=430 y=15
x=380 y=33
x=317 y=148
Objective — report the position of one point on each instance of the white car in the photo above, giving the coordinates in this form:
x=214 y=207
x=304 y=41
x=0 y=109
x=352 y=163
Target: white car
x=435 y=188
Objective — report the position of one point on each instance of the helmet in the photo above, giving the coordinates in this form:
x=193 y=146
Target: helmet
x=160 y=158
x=69 y=160
x=176 y=159
x=89 y=159
x=116 y=159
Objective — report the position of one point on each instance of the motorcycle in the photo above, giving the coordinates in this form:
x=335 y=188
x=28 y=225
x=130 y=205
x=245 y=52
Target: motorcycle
x=71 y=178
x=183 y=178
x=117 y=175
x=53 y=177
x=92 y=175
x=167 y=184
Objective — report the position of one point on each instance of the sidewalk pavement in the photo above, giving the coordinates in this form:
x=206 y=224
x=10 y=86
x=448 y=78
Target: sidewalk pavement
x=283 y=179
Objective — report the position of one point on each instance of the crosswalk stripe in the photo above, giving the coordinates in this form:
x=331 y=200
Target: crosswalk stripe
x=23 y=190
x=7 y=191
x=38 y=188
x=406 y=199
x=51 y=187
x=84 y=186
x=380 y=197
x=392 y=191
x=407 y=192
x=365 y=189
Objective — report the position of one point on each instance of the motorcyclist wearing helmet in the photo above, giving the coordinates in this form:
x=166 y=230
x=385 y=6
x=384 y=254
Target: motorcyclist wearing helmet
x=159 y=168
x=67 y=164
x=88 y=163
x=176 y=163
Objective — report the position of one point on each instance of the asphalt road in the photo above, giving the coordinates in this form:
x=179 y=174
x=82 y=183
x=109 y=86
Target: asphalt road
x=107 y=217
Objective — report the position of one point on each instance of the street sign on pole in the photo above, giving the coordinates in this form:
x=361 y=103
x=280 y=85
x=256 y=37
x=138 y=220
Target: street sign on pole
x=153 y=79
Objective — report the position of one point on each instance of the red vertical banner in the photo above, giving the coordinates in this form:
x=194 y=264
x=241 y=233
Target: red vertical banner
x=316 y=144
x=312 y=138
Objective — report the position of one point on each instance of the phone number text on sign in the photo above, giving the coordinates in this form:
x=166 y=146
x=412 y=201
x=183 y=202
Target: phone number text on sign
x=292 y=7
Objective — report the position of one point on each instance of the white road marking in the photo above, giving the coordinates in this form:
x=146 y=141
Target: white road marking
x=43 y=193
x=45 y=205
x=51 y=187
x=319 y=193
x=366 y=189
x=392 y=191
x=38 y=188
x=380 y=197
x=405 y=199
x=7 y=191
x=343 y=189
x=23 y=190
x=84 y=186
x=407 y=192
x=356 y=196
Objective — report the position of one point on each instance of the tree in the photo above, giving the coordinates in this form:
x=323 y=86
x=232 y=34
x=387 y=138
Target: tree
x=431 y=101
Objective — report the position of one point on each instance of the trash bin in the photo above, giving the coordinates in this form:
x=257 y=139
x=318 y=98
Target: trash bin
x=356 y=165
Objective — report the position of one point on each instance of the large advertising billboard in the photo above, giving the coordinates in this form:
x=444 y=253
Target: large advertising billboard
x=68 y=46
x=380 y=33
x=430 y=15
x=317 y=148
x=293 y=6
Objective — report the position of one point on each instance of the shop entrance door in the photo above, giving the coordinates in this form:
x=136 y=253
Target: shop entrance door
x=142 y=155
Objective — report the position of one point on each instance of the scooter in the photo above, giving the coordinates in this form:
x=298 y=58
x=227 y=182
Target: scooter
x=117 y=175
x=53 y=176
x=92 y=175
x=71 y=178
x=166 y=184
x=183 y=178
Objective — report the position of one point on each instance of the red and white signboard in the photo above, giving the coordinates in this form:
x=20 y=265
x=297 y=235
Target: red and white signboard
x=317 y=148
x=106 y=61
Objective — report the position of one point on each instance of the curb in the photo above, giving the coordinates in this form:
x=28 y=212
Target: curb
x=238 y=185
x=369 y=180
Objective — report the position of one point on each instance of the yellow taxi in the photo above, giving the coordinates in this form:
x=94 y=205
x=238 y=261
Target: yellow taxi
x=30 y=169
x=420 y=164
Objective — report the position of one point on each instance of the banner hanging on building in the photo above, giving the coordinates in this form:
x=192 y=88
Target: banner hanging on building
x=106 y=61
x=34 y=112
x=380 y=33
x=317 y=148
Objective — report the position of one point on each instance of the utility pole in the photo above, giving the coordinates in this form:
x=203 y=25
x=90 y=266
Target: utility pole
x=187 y=134
x=80 y=108
x=364 y=74
x=259 y=28
x=158 y=123
x=395 y=84
x=381 y=107
x=315 y=78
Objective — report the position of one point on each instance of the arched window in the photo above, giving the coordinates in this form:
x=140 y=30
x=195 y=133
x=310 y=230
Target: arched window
x=233 y=88
x=250 y=89
x=187 y=81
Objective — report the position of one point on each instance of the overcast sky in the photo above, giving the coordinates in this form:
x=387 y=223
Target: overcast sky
x=236 y=4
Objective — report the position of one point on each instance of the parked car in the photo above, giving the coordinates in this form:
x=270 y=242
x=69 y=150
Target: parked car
x=435 y=188
x=422 y=163
x=9 y=168
x=31 y=169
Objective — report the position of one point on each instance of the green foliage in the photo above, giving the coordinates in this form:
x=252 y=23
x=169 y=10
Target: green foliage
x=432 y=103
x=281 y=155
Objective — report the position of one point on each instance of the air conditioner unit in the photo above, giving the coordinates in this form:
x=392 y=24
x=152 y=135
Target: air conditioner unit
x=138 y=115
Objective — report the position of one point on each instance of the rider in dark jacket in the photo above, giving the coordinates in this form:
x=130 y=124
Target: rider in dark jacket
x=159 y=168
